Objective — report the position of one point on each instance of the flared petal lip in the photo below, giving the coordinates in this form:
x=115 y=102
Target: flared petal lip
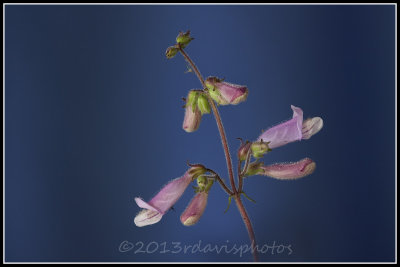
x=144 y=205
x=147 y=217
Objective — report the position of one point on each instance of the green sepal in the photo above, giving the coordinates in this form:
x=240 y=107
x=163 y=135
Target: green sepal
x=259 y=149
x=229 y=203
x=203 y=105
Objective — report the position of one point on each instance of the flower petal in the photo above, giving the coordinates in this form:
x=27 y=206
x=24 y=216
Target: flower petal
x=286 y=132
x=192 y=118
x=170 y=193
x=311 y=127
x=147 y=217
x=195 y=209
x=144 y=205
x=287 y=171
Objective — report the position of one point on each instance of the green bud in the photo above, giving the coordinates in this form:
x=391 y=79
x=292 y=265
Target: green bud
x=203 y=105
x=184 y=39
x=254 y=168
x=202 y=182
x=171 y=52
x=259 y=149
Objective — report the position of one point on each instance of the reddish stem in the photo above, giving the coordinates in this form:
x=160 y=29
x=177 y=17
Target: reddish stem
x=224 y=141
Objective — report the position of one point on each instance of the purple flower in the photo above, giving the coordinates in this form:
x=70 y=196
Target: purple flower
x=160 y=204
x=226 y=93
x=288 y=171
x=195 y=209
x=292 y=130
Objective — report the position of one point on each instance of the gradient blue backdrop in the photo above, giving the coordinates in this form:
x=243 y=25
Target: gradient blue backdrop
x=94 y=117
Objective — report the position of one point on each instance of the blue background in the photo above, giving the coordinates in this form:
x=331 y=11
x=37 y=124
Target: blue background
x=94 y=118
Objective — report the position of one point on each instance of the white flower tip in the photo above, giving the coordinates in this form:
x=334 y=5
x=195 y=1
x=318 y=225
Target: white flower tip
x=311 y=127
x=309 y=169
x=147 y=217
x=191 y=220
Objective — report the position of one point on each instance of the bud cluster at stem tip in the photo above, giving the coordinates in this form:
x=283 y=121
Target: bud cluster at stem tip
x=182 y=40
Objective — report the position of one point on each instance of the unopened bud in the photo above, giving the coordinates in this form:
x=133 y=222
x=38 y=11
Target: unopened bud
x=184 y=39
x=259 y=149
x=201 y=182
x=171 y=52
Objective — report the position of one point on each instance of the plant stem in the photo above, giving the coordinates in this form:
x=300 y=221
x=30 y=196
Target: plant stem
x=224 y=141
x=217 y=119
x=249 y=227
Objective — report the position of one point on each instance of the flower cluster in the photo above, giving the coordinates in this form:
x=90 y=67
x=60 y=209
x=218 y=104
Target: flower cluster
x=198 y=102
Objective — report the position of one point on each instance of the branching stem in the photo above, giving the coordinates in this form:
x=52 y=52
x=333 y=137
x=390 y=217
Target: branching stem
x=233 y=192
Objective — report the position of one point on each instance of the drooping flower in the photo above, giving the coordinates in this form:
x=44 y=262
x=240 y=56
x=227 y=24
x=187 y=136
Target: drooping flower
x=288 y=171
x=292 y=130
x=197 y=205
x=160 y=204
x=191 y=121
x=195 y=209
x=226 y=93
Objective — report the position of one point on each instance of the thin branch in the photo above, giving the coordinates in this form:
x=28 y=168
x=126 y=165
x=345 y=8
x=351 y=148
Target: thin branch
x=230 y=193
x=246 y=166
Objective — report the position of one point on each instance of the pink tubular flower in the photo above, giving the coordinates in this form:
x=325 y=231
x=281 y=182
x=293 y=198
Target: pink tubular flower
x=292 y=130
x=195 y=209
x=160 y=204
x=191 y=121
x=226 y=93
x=288 y=171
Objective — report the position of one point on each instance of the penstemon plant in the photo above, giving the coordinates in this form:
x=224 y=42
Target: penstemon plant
x=217 y=92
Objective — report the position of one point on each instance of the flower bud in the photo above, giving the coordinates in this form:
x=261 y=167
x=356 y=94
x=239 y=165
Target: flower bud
x=203 y=105
x=259 y=149
x=201 y=182
x=195 y=209
x=287 y=171
x=184 y=39
x=191 y=121
x=243 y=150
x=171 y=52
x=226 y=93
